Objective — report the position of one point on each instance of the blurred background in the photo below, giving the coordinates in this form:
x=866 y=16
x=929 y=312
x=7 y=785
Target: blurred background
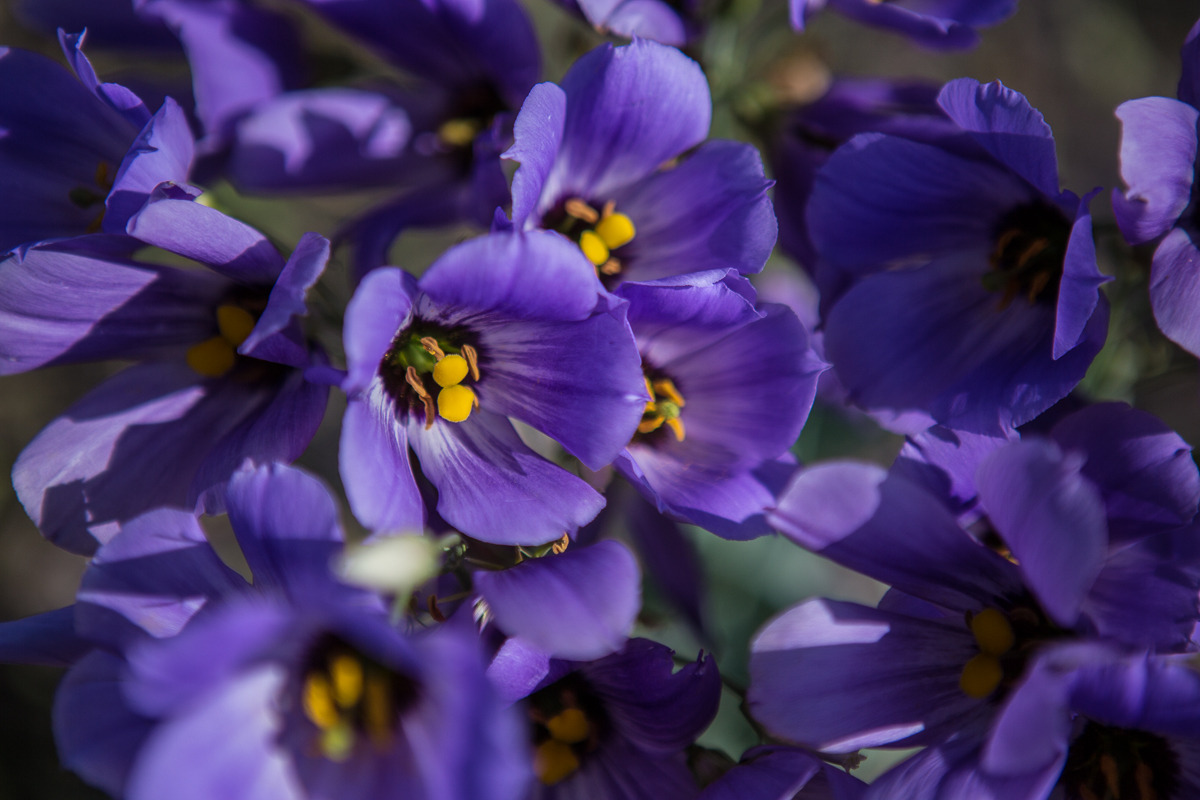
x=1075 y=60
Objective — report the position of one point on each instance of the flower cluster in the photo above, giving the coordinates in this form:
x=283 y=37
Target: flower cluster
x=529 y=420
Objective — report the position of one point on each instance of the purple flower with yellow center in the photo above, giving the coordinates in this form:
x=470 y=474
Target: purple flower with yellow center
x=198 y=685
x=615 y=727
x=936 y=24
x=603 y=163
x=1088 y=536
x=730 y=385
x=219 y=373
x=1158 y=163
x=957 y=280
x=506 y=325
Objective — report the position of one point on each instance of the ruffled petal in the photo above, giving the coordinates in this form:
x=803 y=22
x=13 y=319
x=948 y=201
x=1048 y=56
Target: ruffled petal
x=1007 y=126
x=517 y=669
x=117 y=97
x=1051 y=517
x=1158 y=164
x=1175 y=288
x=1158 y=694
x=926 y=29
x=577 y=605
x=649 y=19
x=492 y=487
x=537 y=135
x=839 y=676
x=163 y=151
x=373 y=461
x=274 y=337
x=1079 y=287
x=709 y=212
x=893 y=531
x=375 y=314
x=944 y=462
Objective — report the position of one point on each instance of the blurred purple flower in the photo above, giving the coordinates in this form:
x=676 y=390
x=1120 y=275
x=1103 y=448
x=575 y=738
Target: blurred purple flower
x=936 y=24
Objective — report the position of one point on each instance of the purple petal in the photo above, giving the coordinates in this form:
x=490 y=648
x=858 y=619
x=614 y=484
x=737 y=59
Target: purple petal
x=232 y=248
x=1008 y=127
x=120 y=99
x=893 y=531
x=1051 y=517
x=47 y=639
x=373 y=461
x=577 y=605
x=944 y=461
x=1139 y=691
x=1079 y=287
x=97 y=735
x=1158 y=158
x=649 y=19
x=932 y=30
x=1175 y=289
x=517 y=669
x=71 y=301
x=538 y=134
x=492 y=487
x=709 y=212
x=303 y=269
x=1143 y=469
x=765 y=773
x=839 y=676
x=163 y=151
x=629 y=109
x=379 y=308
x=223 y=747
x=286 y=523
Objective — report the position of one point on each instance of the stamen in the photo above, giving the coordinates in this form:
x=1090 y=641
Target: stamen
x=993 y=632
x=450 y=371
x=981 y=675
x=347 y=674
x=1112 y=775
x=377 y=709
x=431 y=346
x=569 y=727
x=235 y=324
x=318 y=702
x=337 y=742
x=615 y=230
x=434 y=611
x=676 y=426
x=666 y=387
x=472 y=360
x=561 y=545
x=458 y=132
x=456 y=402
x=593 y=247
x=578 y=209
x=212 y=358
x=609 y=208
x=610 y=267
x=554 y=761
x=651 y=425
x=414 y=380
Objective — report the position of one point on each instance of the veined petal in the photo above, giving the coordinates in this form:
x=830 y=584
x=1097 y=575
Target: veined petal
x=270 y=340
x=1175 y=288
x=379 y=308
x=163 y=151
x=537 y=135
x=373 y=461
x=1158 y=164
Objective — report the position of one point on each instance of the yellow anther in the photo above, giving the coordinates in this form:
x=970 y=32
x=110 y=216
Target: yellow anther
x=337 y=742
x=377 y=709
x=450 y=371
x=649 y=391
x=676 y=426
x=616 y=230
x=472 y=358
x=347 y=674
x=650 y=425
x=593 y=247
x=455 y=403
x=571 y=726
x=458 y=132
x=235 y=324
x=667 y=389
x=993 y=632
x=554 y=761
x=981 y=675
x=212 y=358
x=579 y=209
x=318 y=702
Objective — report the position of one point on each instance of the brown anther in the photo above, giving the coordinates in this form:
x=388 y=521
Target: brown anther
x=667 y=388
x=434 y=611
x=430 y=410
x=431 y=346
x=670 y=163
x=1144 y=776
x=1111 y=773
x=608 y=209
x=1039 y=282
x=472 y=358
x=561 y=545
x=414 y=380
x=578 y=209
x=610 y=267
x=1002 y=243
x=1036 y=247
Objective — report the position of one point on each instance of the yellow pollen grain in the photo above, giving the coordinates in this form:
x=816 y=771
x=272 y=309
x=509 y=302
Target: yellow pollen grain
x=571 y=726
x=458 y=132
x=455 y=403
x=993 y=632
x=554 y=761
x=211 y=358
x=980 y=676
x=347 y=674
x=616 y=230
x=318 y=702
x=235 y=324
x=593 y=247
x=450 y=371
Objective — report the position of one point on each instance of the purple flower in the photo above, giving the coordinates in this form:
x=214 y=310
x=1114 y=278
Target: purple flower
x=221 y=359
x=615 y=727
x=667 y=23
x=730 y=387
x=771 y=772
x=602 y=162
x=937 y=24
x=974 y=298
x=1088 y=535
x=202 y=686
x=507 y=325
x=1158 y=161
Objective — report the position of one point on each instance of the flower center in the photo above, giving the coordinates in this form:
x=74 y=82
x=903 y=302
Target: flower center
x=85 y=197
x=1027 y=258
x=598 y=233
x=665 y=406
x=216 y=356
x=445 y=357
x=1005 y=640
x=1107 y=763
x=348 y=696
x=567 y=722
